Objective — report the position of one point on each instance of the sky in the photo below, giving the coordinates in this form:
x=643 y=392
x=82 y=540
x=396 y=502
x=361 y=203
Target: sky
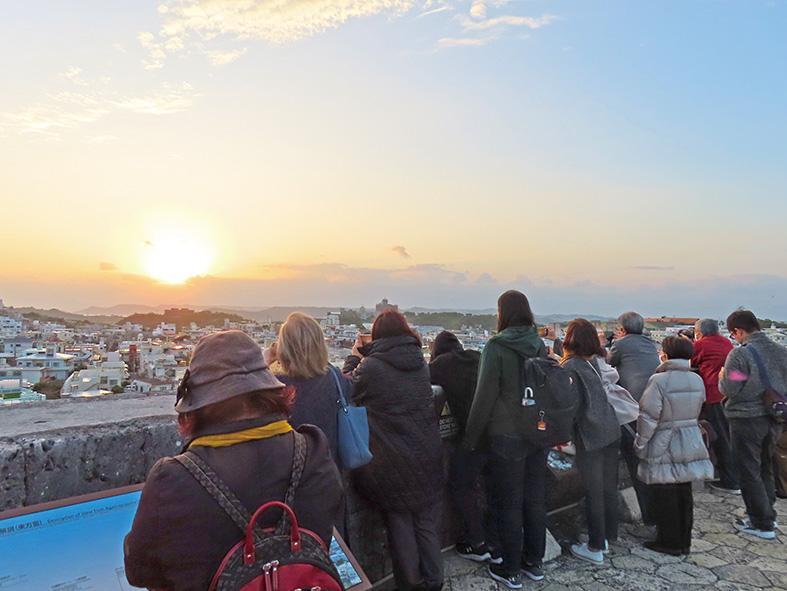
x=599 y=156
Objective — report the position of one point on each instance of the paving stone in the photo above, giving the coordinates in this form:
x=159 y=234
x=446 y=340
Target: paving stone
x=454 y=566
x=597 y=586
x=773 y=564
x=683 y=573
x=553 y=549
x=702 y=545
x=631 y=580
x=730 y=540
x=706 y=560
x=655 y=557
x=473 y=583
x=632 y=562
x=769 y=549
x=737 y=573
x=733 y=555
x=778 y=579
x=556 y=587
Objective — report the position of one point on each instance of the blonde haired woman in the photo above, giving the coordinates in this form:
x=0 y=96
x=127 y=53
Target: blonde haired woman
x=300 y=360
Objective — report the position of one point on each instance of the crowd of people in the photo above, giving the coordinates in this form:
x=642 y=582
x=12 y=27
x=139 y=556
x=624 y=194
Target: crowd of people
x=701 y=417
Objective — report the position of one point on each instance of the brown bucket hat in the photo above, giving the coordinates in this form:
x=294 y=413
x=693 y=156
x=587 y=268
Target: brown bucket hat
x=224 y=364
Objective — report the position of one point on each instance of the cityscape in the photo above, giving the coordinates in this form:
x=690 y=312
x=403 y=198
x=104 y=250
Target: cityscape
x=43 y=357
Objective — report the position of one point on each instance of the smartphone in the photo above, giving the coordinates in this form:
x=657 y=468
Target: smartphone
x=366 y=338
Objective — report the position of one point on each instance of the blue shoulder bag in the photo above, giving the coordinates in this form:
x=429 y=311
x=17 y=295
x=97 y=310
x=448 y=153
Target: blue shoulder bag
x=353 y=430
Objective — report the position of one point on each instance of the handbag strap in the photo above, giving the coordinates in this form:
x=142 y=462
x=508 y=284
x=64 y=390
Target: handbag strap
x=341 y=401
x=760 y=366
x=228 y=501
x=593 y=367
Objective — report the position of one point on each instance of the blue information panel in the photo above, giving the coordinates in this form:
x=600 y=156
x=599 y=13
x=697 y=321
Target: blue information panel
x=78 y=546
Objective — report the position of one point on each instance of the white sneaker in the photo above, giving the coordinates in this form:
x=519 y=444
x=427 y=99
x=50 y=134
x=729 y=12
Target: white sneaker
x=745 y=527
x=582 y=551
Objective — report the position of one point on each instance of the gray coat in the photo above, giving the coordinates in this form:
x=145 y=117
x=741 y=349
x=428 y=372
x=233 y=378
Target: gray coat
x=596 y=424
x=669 y=442
x=636 y=358
x=744 y=394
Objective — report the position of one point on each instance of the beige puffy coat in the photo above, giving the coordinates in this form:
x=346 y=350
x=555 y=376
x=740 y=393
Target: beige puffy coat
x=669 y=442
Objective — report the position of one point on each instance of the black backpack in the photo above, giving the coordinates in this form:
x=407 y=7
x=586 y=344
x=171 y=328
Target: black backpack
x=550 y=399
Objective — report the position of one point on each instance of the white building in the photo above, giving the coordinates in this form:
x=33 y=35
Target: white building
x=14 y=391
x=98 y=380
x=165 y=329
x=9 y=327
x=39 y=364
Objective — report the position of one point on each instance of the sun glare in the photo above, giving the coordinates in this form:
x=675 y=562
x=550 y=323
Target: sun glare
x=176 y=256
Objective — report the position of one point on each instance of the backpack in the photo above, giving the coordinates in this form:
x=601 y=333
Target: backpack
x=550 y=399
x=775 y=401
x=284 y=558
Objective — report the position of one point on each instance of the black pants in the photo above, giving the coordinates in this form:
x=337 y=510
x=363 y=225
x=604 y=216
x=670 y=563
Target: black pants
x=414 y=543
x=517 y=480
x=752 y=451
x=599 y=471
x=627 y=433
x=727 y=470
x=466 y=495
x=673 y=509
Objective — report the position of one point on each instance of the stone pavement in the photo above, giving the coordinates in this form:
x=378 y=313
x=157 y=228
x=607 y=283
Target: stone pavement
x=720 y=559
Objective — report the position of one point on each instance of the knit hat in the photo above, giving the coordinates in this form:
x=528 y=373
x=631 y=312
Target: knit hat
x=224 y=365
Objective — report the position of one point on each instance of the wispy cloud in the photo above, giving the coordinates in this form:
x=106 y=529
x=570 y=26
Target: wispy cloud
x=447 y=42
x=222 y=58
x=87 y=101
x=195 y=23
x=479 y=28
x=401 y=251
x=652 y=268
x=104 y=266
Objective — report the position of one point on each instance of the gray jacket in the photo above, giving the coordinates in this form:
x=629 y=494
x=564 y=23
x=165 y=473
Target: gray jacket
x=669 y=442
x=596 y=424
x=742 y=385
x=636 y=358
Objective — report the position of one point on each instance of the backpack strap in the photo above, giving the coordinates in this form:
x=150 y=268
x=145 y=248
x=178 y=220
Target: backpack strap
x=298 y=463
x=217 y=488
x=760 y=366
x=228 y=501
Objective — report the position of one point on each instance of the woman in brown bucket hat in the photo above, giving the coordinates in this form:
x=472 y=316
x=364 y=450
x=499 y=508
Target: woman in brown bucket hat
x=232 y=413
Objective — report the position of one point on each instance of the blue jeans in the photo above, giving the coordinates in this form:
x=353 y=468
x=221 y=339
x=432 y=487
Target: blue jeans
x=517 y=481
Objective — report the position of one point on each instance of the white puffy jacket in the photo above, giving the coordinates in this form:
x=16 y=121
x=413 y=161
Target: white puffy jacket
x=669 y=442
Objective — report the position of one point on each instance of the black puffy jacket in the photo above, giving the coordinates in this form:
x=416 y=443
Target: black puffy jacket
x=392 y=382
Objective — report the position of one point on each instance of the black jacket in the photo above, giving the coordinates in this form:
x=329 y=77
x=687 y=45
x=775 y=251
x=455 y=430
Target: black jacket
x=180 y=534
x=457 y=372
x=392 y=382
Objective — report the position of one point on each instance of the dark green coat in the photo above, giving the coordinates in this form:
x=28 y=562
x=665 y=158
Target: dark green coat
x=498 y=396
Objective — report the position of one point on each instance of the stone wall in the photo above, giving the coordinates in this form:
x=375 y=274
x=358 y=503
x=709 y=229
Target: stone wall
x=64 y=448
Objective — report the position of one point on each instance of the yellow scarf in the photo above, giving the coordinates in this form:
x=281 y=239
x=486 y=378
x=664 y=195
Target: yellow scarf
x=253 y=434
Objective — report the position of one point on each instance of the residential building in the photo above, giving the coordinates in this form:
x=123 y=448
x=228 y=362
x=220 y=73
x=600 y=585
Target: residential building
x=10 y=327
x=13 y=391
x=39 y=364
x=97 y=380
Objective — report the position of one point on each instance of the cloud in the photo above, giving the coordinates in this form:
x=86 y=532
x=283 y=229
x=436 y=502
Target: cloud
x=448 y=42
x=103 y=266
x=401 y=251
x=652 y=268
x=501 y=22
x=88 y=101
x=222 y=58
x=195 y=23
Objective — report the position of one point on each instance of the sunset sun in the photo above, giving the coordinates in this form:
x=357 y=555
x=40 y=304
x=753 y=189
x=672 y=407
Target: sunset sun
x=175 y=256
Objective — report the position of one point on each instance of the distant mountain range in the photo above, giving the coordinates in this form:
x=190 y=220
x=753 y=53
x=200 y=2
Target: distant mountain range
x=280 y=313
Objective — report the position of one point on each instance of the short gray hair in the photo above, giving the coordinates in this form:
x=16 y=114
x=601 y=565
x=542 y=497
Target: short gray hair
x=707 y=327
x=632 y=322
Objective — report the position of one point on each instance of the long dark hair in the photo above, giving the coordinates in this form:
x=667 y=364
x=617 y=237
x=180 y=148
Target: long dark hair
x=392 y=324
x=513 y=309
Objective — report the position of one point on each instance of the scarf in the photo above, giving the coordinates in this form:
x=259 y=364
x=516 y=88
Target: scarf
x=253 y=434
